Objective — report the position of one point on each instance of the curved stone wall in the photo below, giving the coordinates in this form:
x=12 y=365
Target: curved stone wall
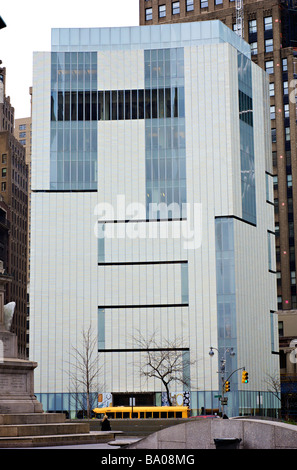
x=200 y=434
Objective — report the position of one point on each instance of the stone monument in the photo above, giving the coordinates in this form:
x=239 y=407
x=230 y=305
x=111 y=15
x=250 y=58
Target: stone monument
x=16 y=375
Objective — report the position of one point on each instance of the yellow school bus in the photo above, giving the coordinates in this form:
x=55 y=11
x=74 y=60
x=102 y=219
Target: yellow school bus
x=145 y=412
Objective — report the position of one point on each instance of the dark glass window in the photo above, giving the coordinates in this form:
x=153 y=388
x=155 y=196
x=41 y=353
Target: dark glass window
x=87 y=106
x=100 y=105
x=80 y=113
x=127 y=104
x=268 y=23
x=252 y=26
x=162 y=11
x=120 y=104
x=269 y=66
x=189 y=5
x=73 y=106
x=94 y=106
x=148 y=14
x=268 y=45
x=134 y=104
x=107 y=105
x=175 y=8
x=141 y=104
x=114 y=115
x=273 y=135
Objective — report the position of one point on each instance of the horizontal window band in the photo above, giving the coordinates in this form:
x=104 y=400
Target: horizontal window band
x=140 y=221
x=142 y=306
x=141 y=263
x=143 y=350
x=236 y=218
x=115 y=105
x=64 y=190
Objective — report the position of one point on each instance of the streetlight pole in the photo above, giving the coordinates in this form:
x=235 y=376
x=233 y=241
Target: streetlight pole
x=222 y=371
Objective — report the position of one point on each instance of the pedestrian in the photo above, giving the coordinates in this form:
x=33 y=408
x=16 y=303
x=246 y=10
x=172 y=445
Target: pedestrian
x=105 y=424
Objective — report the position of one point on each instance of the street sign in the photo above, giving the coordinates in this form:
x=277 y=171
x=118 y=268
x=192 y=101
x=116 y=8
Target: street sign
x=224 y=400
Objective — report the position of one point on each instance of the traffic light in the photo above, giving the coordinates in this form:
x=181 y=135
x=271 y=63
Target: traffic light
x=227 y=386
x=245 y=377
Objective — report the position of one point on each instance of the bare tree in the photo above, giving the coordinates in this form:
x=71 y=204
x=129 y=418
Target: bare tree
x=168 y=363
x=84 y=370
x=273 y=383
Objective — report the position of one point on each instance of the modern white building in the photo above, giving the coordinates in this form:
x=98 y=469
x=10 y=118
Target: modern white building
x=152 y=214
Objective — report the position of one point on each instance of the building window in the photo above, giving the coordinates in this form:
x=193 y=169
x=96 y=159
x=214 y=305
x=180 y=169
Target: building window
x=252 y=26
x=3 y=186
x=4 y=172
x=285 y=64
x=189 y=5
x=218 y=2
x=271 y=251
x=254 y=48
x=287 y=110
x=269 y=66
x=289 y=181
x=203 y=3
x=162 y=11
x=281 y=328
x=271 y=89
x=272 y=112
x=268 y=23
x=268 y=45
x=274 y=330
x=22 y=135
x=275 y=182
x=286 y=88
x=148 y=14
x=4 y=157
x=273 y=135
x=293 y=278
x=287 y=134
x=22 y=127
x=23 y=141
x=175 y=8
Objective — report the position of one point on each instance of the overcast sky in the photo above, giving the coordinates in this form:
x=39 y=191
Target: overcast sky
x=28 y=29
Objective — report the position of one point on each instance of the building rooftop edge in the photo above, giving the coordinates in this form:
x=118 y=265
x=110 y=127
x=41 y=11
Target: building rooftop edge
x=152 y=36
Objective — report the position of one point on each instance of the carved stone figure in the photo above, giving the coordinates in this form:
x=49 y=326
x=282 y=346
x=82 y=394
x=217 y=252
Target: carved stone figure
x=8 y=314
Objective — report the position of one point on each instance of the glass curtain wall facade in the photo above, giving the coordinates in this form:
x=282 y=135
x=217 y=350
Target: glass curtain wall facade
x=170 y=117
x=165 y=150
x=73 y=163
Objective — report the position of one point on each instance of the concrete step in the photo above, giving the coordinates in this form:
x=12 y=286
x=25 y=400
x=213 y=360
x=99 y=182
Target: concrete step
x=19 y=430
x=32 y=418
x=94 y=437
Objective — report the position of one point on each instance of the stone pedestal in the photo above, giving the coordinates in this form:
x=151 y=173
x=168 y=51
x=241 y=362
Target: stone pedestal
x=16 y=375
x=16 y=380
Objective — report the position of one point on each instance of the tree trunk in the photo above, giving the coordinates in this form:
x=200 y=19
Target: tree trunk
x=168 y=394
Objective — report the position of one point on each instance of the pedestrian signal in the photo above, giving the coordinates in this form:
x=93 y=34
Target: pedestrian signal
x=245 y=377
